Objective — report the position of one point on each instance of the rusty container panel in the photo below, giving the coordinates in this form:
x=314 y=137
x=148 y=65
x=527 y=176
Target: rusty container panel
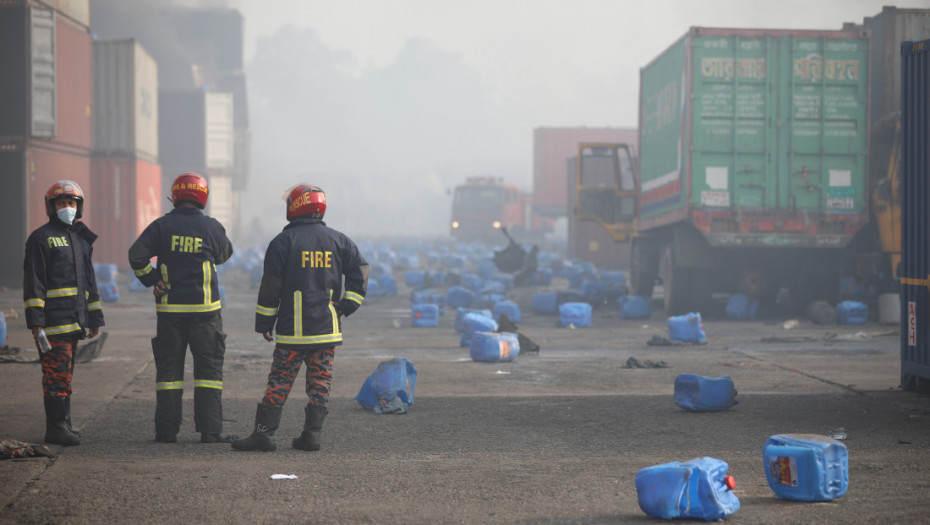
x=551 y=148
x=125 y=100
x=46 y=166
x=125 y=193
x=74 y=90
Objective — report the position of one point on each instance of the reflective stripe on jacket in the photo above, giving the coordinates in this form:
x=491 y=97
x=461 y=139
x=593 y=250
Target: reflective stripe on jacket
x=188 y=245
x=59 y=286
x=303 y=275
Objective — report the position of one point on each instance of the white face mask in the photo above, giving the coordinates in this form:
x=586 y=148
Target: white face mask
x=66 y=215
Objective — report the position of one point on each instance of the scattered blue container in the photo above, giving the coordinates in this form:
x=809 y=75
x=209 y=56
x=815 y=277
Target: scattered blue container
x=390 y=388
x=488 y=300
x=460 y=314
x=704 y=394
x=430 y=297
x=459 y=297
x=472 y=282
x=616 y=281
x=852 y=312
x=414 y=278
x=595 y=291
x=510 y=308
x=424 y=315
x=2 y=330
x=505 y=280
x=109 y=292
x=577 y=314
x=374 y=289
x=489 y=346
x=473 y=323
x=688 y=328
x=699 y=488
x=486 y=269
x=545 y=302
x=635 y=307
x=388 y=285
x=806 y=467
x=742 y=306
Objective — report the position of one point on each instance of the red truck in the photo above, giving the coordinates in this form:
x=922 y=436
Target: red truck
x=484 y=205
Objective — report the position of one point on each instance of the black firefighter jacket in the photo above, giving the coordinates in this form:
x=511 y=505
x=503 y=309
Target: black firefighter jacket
x=59 y=285
x=188 y=245
x=304 y=269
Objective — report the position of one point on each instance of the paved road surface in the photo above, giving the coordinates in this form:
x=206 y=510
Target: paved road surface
x=556 y=437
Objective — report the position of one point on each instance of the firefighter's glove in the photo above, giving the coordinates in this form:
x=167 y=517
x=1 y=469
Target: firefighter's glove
x=346 y=307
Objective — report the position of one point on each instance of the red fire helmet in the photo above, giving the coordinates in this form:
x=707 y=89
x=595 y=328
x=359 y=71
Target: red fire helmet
x=305 y=199
x=192 y=187
x=64 y=188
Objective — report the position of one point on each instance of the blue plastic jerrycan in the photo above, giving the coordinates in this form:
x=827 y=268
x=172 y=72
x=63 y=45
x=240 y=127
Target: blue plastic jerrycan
x=704 y=394
x=2 y=330
x=699 y=488
x=486 y=346
x=806 y=467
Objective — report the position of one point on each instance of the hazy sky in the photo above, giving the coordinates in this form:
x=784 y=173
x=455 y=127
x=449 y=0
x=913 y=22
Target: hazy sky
x=397 y=101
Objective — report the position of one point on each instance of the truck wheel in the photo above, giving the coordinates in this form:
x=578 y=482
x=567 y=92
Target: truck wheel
x=676 y=281
x=644 y=267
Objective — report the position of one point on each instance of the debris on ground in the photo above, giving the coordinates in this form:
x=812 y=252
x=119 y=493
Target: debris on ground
x=632 y=362
x=13 y=449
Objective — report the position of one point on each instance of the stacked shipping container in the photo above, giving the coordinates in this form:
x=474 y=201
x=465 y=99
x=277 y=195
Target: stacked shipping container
x=197 y=134
x=125 y=174
x=46 y=101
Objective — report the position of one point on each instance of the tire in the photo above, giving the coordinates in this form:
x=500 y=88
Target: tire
x=677 y=283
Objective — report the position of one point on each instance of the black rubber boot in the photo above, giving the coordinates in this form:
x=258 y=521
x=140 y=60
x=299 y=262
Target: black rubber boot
x=74 y=430
x=56 y=428
x=267 y=419
x=313 y=424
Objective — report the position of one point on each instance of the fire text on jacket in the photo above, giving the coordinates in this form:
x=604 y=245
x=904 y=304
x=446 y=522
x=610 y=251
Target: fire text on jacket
x=57 y=242
x=316 y=259
x=185 y=244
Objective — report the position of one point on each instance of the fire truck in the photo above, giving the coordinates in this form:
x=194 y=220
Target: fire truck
x=483 y=205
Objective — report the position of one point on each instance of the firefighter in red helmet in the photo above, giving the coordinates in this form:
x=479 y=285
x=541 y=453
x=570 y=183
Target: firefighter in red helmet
x=61 y=300
x=313 y=276
x=188 y=245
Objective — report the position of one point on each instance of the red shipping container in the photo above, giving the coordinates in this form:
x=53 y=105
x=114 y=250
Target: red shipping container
x=125 y=197
x=74 y=92
x=45 y=167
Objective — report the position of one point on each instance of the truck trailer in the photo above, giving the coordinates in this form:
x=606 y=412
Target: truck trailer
x=752 y=167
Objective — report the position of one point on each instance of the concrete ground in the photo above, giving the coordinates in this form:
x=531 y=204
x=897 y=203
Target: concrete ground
x=556 y=437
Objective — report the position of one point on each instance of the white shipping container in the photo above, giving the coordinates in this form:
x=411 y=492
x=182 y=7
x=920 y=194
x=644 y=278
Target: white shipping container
x=220 y=135
x=220 y=204
x=125 y=100
x=76 y=10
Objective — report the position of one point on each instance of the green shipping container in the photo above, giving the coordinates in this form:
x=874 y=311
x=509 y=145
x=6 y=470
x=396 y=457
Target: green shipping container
x=757 y=138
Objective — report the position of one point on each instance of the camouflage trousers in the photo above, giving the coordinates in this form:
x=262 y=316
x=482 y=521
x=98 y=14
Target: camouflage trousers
x=284 y=368
x=58 y=365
